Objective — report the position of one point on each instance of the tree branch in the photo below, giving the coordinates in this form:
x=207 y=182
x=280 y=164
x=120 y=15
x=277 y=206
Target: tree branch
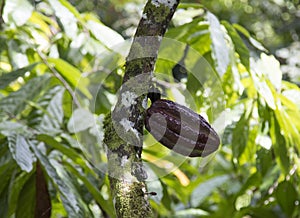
x=124 y=126
x=2 y=3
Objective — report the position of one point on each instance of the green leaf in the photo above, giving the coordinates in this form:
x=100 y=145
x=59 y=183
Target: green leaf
x=240 y=136
x=68 y=198
x=253 y=181
x=81 y=120
x=72 y=75
x=17 y=101
x=3 y=201
x=47 y=115
x=219 y=45
x=239 y=45
x=264 y=89
x=17 y=11
x=206 y=188
x=69 y=152
x=7 y=127
x=6 y=170
x=286 y=196
x=26 y=201
x=105 y=205
x=66 y=17
x=104 y=34
x=52 y=120
x=19 y=148
x=253 y=41
x=16 y=185
x=192 y=212
x=279 y=145
x=7 y=78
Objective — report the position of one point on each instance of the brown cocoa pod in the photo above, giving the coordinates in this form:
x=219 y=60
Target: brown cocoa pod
x=181 y=129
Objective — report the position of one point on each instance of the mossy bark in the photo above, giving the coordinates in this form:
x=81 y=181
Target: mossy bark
x=124 y=126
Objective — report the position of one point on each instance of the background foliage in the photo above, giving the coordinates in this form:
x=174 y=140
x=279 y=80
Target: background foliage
x=50 y=48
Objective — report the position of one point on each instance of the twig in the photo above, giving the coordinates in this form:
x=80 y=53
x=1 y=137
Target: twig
x=60 y=78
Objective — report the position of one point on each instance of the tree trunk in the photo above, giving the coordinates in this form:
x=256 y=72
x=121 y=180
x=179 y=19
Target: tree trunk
x=124 y=126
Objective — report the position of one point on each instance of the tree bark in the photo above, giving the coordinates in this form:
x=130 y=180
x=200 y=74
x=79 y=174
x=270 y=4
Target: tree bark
x=124 y=126
x=2 y=3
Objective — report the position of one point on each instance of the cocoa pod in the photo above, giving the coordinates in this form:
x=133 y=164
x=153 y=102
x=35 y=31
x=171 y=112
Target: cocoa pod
x=181 y=129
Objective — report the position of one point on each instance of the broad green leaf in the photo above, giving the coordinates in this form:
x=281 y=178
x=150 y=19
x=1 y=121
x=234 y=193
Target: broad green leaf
x=72 y=75
x=15 y=188
x=52 y=120
x=286 y=196
x=69 y=152
x=68 y=198
x=192 y=212
x=16 y=54
x=7 y=127
x=105 y=205
x=219 y=46
x=240 y=136
x=17 y=11
x=66 y=17
x=7 y=78
x=239 y=45
x=71 y=8
x=104 y=34
x=293 y=95
x=6 y=171
x=16 y=102
x=254 y=180
x=253 y=41
x=20 y=150
x=264 y=158
x=26 y=201
x=3 y=201
x=270 y=67
x=263 y=87
x=81 y=120
x=279 y=145
x=206 y=188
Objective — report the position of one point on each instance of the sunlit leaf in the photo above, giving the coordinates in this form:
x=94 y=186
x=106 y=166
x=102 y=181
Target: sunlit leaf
x=104 y=34
x=190 y=213
x=17 y=11
x=219 y=45
x=269 y=66
x=16 y=54
x=239 y=45
x=66 y=17
x=72 y=75
x=253 y=41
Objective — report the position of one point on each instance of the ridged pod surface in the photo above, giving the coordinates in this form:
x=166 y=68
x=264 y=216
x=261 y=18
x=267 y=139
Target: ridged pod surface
x=181 y=129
